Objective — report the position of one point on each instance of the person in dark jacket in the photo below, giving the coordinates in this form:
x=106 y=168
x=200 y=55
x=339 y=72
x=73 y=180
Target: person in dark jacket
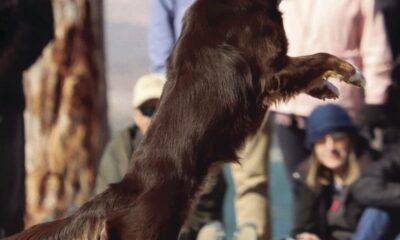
x=324 y=205
x=379 y=190
x=117 y=157
x=391 y=13
x=26 y=26
x=379 y=187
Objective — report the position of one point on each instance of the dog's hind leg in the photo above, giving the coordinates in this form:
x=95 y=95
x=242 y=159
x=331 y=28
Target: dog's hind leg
x=158 y=214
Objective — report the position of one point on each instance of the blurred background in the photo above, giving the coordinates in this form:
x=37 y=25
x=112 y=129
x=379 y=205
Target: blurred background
x=126 y=55
x=68 y=120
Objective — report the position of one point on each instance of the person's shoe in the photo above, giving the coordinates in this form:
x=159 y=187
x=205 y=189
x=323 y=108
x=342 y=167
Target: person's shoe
x=246 y=232
x=211 y=231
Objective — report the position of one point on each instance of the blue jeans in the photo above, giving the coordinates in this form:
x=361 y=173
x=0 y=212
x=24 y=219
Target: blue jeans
x=376 y=224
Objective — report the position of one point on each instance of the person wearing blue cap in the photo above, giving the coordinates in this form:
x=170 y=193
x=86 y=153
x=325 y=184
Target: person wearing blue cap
x=324 y=206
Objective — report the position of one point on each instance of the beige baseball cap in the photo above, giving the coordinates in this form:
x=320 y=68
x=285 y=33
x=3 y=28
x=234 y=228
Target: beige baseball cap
x=147 y=87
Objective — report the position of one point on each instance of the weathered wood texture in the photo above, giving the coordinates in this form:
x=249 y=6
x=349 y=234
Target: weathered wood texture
x=66 y=113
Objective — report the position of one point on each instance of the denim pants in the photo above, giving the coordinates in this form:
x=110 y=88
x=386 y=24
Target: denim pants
x=377 y=224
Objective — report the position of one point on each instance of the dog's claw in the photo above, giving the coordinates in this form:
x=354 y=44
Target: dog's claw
x=357 y=79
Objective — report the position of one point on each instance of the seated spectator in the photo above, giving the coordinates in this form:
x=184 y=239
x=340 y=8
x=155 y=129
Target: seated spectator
x=324 y=206
x=379 y=190
x=117 y=156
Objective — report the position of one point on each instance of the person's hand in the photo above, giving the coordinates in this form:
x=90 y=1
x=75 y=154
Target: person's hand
x=307 y=236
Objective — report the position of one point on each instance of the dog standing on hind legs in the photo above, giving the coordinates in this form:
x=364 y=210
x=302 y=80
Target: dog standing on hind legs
x=228 y=65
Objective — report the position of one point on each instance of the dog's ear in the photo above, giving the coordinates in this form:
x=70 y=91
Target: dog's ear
x=273 y=3
x=277 y=2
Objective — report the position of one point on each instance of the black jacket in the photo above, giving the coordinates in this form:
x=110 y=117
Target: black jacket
x=379 y=185
x=312 y=205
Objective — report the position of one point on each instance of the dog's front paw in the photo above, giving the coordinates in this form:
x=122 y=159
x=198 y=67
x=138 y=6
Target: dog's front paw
x=348 y=73
x=325 y=91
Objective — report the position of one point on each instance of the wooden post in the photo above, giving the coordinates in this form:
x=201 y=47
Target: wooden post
x=66 y=113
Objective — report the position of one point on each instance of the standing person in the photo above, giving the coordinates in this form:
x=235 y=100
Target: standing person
x=385 y=118
x=391 y=13
x=164 y=29
x=250 y=177
x=324 y=205
x=26 y=26
x=313 y=26
x=117 y=156
x=251 y=186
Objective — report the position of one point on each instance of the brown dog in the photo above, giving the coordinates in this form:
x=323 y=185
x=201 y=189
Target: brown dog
x=229 y=64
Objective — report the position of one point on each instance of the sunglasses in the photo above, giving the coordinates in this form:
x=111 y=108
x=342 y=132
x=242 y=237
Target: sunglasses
x=147 y=110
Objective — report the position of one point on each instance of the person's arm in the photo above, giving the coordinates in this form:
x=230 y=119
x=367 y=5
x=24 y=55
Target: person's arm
x=107 y=171
x=379 y=186
x=161 y=34
x=305 y=219
x=377 y=61
x=114 y=162
x=391 y=12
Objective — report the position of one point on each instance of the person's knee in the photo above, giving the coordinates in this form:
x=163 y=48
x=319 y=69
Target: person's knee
x=376 y=214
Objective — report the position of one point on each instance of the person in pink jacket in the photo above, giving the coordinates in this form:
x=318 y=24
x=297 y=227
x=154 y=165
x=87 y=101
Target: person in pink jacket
x=350 y=29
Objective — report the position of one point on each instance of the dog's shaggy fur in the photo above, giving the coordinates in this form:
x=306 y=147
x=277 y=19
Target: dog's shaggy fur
x=229 y=64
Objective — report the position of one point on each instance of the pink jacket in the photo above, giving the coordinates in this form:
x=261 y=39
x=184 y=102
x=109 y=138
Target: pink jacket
x=350 y=29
